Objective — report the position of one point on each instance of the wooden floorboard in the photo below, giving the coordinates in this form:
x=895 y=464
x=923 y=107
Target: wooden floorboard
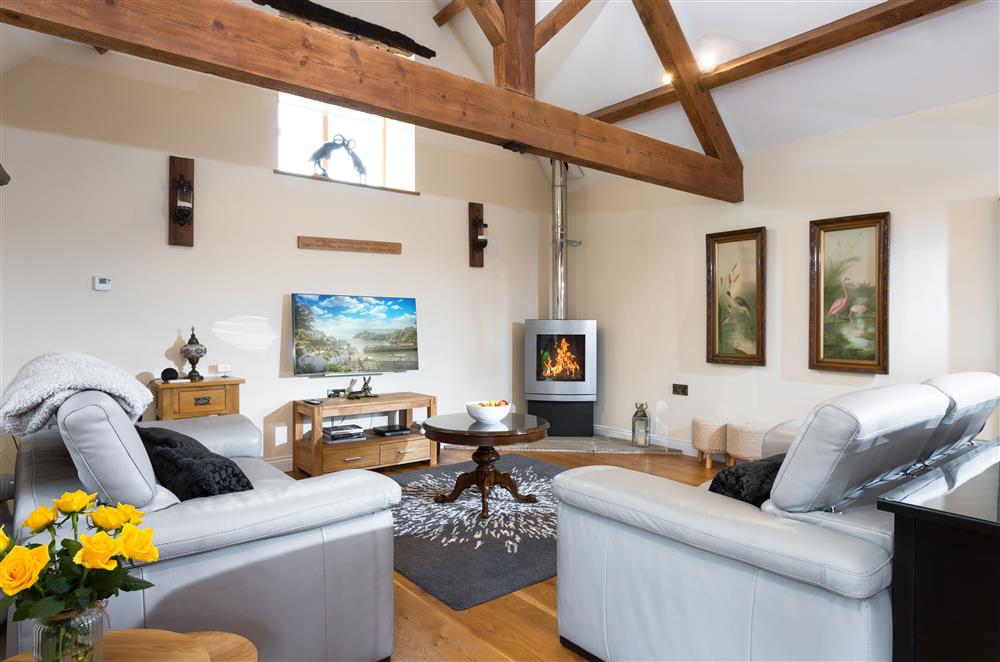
x=520 y=625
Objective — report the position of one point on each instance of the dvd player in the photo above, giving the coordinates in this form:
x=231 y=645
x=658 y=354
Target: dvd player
x=392 y=430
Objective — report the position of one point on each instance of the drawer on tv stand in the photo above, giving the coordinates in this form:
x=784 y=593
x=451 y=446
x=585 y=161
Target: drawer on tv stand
x=408 y=450
x=356 y=457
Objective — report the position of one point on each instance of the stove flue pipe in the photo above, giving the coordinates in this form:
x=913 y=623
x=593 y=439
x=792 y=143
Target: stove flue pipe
x=557 y=302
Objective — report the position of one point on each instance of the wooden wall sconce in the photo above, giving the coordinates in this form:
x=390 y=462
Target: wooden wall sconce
x=477 y=235
x=180 y=221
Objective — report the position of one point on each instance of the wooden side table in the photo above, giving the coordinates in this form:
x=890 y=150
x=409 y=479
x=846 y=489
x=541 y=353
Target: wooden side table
x=464 y=430
x=310 y=455
x=191 y=399
x=166 y=646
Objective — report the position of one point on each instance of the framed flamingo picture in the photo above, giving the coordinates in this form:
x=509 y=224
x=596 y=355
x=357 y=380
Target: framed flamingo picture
x=736 y=282
x=849 y=294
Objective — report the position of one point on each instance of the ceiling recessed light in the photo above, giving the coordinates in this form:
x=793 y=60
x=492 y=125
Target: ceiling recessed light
x=667 y=78
x=707 y=61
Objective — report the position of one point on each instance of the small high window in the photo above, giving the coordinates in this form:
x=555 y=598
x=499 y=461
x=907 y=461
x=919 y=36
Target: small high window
x=317 y=138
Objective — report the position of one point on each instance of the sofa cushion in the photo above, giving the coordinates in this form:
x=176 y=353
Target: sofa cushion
x=109 y=456
x=44 y=470
x=973 y=397
x=839 y=563
x=779 y=439
x=262 y=473
x=231 y=435
x=187 y=468
x=853 y=440
x=866 y=522
x=749 y=482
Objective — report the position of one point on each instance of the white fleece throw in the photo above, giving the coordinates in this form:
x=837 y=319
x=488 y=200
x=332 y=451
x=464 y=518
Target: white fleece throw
x=45 y=382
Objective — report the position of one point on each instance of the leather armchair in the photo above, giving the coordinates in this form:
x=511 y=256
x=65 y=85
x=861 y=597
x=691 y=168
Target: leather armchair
x=650 y=569
x=301 y=568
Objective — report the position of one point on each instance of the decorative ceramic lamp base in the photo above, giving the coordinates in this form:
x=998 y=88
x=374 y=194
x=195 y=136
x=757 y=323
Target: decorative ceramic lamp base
x=65 y=638
x=193 y=351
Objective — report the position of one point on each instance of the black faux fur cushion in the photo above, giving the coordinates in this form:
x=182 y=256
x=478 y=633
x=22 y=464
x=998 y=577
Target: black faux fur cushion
x=750 y=481
x=185 y=467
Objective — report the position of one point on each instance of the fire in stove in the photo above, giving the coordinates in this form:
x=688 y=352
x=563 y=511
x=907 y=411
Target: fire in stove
x=560 y=358
x=565 y=365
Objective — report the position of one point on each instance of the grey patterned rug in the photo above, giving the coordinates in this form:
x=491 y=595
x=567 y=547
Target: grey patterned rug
x=462 y=560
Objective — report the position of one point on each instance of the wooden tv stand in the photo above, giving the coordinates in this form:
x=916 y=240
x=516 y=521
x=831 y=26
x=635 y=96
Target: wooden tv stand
x=310 y=455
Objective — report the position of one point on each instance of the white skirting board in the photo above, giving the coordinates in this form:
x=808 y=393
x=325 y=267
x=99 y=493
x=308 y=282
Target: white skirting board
x=282 y=462
x=684 y=447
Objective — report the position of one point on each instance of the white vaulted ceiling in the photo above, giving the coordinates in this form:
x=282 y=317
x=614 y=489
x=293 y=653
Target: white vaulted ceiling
x=604 y=56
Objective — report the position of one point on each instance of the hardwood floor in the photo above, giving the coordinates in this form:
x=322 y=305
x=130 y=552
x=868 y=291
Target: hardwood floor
x=520 y=625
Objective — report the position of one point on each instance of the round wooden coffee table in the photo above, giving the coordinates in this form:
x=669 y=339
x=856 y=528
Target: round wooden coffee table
x=464 y=430
x=164 y=646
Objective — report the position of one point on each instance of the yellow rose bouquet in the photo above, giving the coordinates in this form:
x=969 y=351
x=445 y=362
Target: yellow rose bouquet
x=62 y=583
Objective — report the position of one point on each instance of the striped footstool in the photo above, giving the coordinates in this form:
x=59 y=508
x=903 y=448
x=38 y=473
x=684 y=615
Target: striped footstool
x=708 y=435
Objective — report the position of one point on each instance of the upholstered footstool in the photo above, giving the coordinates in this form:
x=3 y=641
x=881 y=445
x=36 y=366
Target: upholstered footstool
x=744 y=440
x=708 y=435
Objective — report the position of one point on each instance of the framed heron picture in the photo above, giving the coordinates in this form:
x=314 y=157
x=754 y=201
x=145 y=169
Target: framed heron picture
x=736 y=265
x=849 y=294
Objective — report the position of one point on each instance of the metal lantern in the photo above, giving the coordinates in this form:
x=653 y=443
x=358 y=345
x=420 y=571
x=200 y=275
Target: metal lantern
x=193 y=351
x=184 y=207
x=640 y=426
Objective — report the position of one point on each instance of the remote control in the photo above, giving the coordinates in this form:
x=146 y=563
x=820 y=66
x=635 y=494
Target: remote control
x=312 y=401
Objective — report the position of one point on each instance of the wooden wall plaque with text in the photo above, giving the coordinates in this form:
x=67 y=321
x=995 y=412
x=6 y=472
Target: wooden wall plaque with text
x=353 y=245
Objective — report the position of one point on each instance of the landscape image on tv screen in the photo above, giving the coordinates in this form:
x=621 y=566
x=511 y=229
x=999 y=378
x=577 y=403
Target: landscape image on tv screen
x=336 y=333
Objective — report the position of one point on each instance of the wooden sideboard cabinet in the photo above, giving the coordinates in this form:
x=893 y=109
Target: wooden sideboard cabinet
x=208 y=397
x=312 y=456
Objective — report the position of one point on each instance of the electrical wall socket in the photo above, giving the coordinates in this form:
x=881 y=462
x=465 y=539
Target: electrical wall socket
x=680 y=389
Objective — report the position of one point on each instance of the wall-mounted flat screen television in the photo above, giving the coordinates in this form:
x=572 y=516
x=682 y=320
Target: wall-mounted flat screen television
x=353 y=334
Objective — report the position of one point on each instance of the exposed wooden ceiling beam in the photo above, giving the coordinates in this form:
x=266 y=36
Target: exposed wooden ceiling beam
x=675 y=55
x=490 y=18
x=556 y=20
x=240 y=43
x=640 y=104
x=832 y=35
x=449 y=11
x=545 y=29
x=514 y=59
x=331 y=18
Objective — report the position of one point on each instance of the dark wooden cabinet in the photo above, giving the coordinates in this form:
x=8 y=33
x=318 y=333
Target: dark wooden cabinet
x=946 y=568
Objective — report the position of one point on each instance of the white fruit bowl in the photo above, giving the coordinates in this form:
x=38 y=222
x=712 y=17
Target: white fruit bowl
x=486 y=414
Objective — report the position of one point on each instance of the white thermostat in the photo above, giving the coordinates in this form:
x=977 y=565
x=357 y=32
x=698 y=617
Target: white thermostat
x=102 y=283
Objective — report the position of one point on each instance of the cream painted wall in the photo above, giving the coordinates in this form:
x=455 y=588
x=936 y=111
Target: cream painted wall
x=87 y=150
x=641 y=269
x=86 y=139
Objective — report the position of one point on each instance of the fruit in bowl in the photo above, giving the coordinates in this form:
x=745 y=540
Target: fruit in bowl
x=488 y=411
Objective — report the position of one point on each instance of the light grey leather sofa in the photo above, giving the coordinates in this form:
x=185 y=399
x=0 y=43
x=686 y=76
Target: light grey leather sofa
x=301 y=568
x=650 y=569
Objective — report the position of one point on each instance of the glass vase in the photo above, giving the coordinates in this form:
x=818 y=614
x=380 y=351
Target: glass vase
x=75 y=637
